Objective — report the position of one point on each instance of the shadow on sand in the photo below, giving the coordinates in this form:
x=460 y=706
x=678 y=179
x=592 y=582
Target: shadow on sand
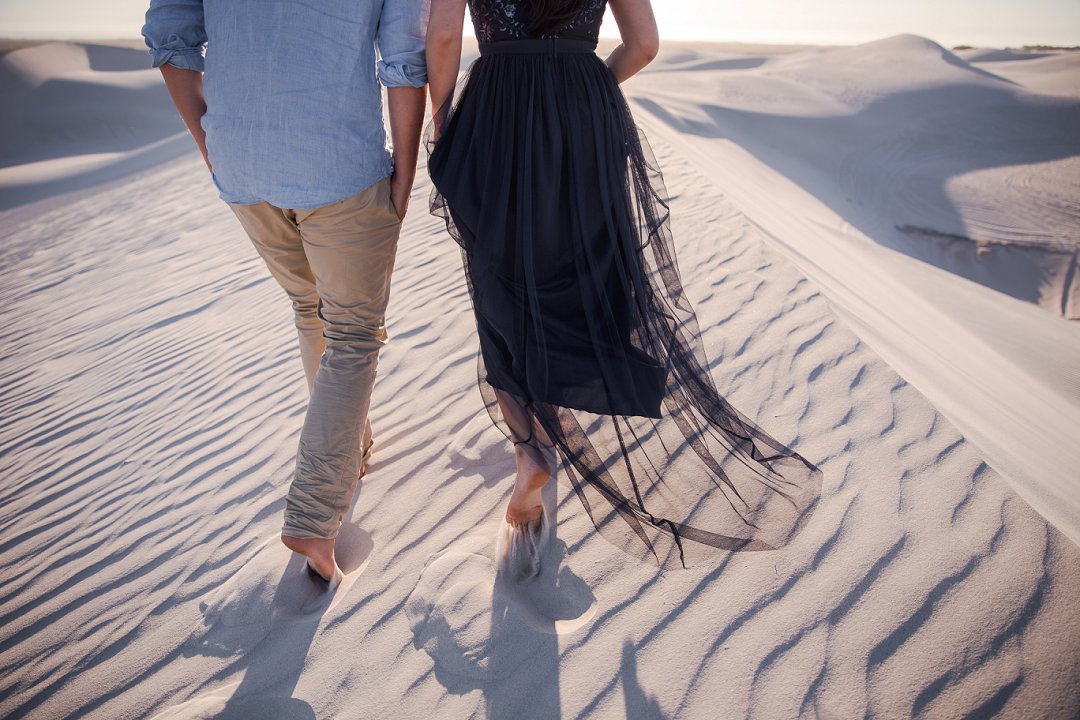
x=486 y=631
x=267 y=617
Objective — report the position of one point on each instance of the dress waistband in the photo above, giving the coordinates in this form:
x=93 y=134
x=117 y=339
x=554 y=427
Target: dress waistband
x=550 y=46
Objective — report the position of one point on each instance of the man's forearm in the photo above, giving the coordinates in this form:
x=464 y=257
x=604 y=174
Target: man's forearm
x=406 y=110
x=185 y=89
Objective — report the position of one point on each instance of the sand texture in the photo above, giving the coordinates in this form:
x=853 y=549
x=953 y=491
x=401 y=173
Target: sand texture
x=152 y=397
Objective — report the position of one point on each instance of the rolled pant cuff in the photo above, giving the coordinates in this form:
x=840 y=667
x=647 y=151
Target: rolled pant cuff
x=305 y=531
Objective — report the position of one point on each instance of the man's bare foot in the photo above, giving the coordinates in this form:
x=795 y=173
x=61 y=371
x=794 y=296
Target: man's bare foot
x=318 y=551
x=533 y=472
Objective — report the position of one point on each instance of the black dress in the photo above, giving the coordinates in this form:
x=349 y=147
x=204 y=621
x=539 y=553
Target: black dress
x=554 y=196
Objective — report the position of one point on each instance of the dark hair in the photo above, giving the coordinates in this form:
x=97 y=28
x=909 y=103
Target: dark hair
x=548 y=17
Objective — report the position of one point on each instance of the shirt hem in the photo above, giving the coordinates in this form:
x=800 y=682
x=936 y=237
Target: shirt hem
x=315 y=205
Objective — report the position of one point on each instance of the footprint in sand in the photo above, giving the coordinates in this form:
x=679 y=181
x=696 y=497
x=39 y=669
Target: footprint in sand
x=477 y=444
x=273 y=588
x=479 y=623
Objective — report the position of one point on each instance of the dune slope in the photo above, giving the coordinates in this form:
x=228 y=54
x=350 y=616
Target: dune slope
x=842 y=154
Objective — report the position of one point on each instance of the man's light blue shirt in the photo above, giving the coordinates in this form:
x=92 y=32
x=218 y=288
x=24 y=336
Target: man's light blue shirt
x=293 y=105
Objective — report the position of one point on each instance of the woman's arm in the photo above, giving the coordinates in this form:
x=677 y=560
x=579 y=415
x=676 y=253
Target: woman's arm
x=640 y=37
x=443 y=52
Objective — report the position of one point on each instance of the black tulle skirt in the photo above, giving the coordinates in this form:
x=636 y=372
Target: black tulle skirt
x=587 y=342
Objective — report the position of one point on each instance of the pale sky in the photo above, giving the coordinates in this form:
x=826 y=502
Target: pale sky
x=950 y=22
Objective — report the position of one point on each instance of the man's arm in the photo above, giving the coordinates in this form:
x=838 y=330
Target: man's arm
x=402 y=69
x=406 y=109
x=175 y=34
x=185 y=89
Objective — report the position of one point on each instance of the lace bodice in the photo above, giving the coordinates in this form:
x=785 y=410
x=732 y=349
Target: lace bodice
x=495 y=20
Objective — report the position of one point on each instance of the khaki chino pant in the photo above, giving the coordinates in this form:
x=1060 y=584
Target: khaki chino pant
x=334 y=263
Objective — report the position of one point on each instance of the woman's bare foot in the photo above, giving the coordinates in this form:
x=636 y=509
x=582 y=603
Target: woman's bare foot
x=319 y=554
x=533 y=472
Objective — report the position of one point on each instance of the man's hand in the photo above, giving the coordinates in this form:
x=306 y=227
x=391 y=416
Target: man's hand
x=400 y=190
x=406 y=110
x=185 y=89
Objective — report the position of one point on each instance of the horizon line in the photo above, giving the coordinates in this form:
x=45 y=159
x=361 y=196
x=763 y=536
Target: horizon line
x=762 y=40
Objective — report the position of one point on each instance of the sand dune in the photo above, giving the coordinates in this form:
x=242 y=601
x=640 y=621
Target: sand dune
x=856 y=160
x=917 y=148
x=152 y=397
x=76 y=116
x=1056 y=72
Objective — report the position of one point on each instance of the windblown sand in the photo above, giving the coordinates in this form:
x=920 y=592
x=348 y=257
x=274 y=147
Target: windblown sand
x=881 y=245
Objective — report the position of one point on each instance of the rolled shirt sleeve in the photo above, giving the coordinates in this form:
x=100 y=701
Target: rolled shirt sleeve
x=175 y=33
x=400 y=40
